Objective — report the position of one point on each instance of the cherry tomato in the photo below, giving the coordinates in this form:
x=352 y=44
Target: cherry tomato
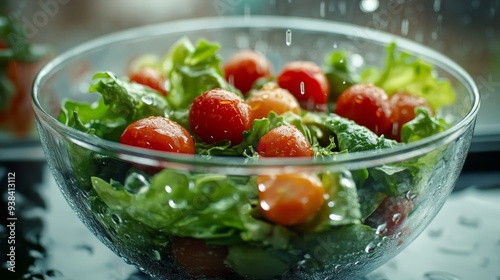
x=199 y=259
x=158 y=133
x=219 y=114
x=150 y=77
x=307 y=82
x=367 y=105
x=272 y=98
x=284 y=141
x=390 y=214
x=246 y=67
x=290 y=199
x=403 y=110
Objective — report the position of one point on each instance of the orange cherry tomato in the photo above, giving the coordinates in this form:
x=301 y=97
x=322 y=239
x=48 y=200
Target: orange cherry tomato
x=290 y=199
x=218 y=115
x=367 y=105
x=284 y=141
x=272 y=99
x=246 y=67
x=158 y=133
x=307 y=82
x=403 y=110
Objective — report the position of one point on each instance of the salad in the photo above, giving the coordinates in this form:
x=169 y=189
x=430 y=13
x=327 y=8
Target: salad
x=20 y=60
x=191 y=101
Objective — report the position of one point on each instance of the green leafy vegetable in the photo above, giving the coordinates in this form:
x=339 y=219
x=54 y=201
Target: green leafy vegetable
x=422 y=126
x=404 y=72
x=191 y=71
x=353 y=138
x=339 y=76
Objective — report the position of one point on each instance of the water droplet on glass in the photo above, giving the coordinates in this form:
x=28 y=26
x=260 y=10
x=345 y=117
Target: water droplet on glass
x=381 y=229
x=370 y=247
x=396 y=217
x=334 y=45
x=288 y=37
x=302 y=88
x=369 y=6
x=116 y=219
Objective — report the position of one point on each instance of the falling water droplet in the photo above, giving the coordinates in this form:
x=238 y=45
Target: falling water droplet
x=437 y=5
x=288 y=37
x=342 y=8
x=322 y=9
x=302 y=88
x=246 y=11
x=405 y=27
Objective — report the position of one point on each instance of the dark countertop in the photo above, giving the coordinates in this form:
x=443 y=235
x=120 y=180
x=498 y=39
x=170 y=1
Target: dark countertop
x=462 y=242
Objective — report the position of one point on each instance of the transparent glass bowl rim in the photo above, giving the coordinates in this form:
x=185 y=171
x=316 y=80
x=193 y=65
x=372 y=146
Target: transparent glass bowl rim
x=341 y=161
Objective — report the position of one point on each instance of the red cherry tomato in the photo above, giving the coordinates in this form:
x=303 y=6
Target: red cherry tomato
x=284 y=141
x=307 y=82
x=150 y=77
x=219 y=114
x=198 y=259
x=390 y=214
x=272 y=99
x=290 y=199
x=367 y=105
x=246 y=67
x=403 y=110
x=158 y=133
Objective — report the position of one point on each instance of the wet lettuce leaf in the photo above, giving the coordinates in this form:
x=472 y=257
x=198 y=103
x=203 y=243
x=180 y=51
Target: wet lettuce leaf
x=352 y=137
x=422 y=126
x=121 y=103
x=405 y=72
x=191 y=70
x=340 y=77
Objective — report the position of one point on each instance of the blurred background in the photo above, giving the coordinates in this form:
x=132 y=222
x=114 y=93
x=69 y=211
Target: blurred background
x=466 y=31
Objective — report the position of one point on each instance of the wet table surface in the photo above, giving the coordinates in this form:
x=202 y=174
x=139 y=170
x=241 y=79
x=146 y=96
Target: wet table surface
x=462 y=242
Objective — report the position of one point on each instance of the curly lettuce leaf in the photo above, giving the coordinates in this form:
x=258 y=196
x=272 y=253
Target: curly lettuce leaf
x=352 y=137
x=192 y=70
x=181 y=203
x=120 y=104
x=404 y=72
x=422 y=126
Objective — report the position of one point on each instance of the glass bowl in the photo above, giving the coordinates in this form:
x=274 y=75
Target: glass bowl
x=421 y=174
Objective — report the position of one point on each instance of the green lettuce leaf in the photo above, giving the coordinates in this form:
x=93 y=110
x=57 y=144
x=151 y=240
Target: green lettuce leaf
x=121 y=103
x=352 y=137
x=191 y=71
x=339 y=76
x=404 y=72
x=422 y=126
